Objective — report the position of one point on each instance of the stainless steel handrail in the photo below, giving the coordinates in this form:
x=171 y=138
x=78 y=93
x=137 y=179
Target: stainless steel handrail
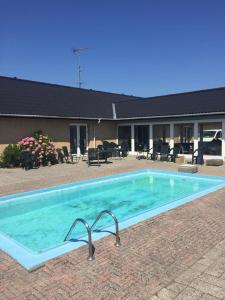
x=91 y=247
x=118 y=243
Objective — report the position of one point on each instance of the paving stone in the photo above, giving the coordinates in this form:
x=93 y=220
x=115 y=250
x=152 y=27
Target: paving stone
x=221 y=245
x=176 y=287
x=208 y=288
x=217 y=269
x=213 y=280
x=192 y=273
x=165 y=294
x=206 y=261
x=208 y=297
x=214 y=253
x=154 y=298
x=189 y=294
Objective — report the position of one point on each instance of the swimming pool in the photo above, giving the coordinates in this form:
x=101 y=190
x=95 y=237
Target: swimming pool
x=33 y=225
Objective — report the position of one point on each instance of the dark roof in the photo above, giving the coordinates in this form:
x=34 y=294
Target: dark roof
x=197 y=102
x=20 y=97
x=30 y=98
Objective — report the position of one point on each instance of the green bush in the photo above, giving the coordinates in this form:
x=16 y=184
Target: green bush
x=36 y=134
x=11 y=156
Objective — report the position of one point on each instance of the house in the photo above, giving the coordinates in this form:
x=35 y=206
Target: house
x=81 y=118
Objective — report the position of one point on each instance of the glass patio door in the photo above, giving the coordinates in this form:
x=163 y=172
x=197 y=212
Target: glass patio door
x=83 y=139
x=141 y=137
x=78 y=139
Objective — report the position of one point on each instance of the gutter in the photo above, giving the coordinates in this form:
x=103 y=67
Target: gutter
x=172 y=116
x=53 y=117
x=114 y=116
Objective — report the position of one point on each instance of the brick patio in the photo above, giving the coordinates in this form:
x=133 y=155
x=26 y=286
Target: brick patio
x=177 y=255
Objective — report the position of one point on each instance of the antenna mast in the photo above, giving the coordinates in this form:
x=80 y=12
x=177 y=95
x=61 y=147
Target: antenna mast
x=77 y=52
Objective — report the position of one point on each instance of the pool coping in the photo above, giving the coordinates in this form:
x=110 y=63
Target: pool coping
x=31 y=260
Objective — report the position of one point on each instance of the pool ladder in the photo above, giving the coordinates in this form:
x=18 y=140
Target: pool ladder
x=91 y=248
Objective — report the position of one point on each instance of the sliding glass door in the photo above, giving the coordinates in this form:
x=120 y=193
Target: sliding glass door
x=124 y=136
x=141 y=137
x=83 y=139
x=73 y=139
x=78 y=139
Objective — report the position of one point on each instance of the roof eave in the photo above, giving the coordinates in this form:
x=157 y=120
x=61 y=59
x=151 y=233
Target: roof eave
x=172 y=116
x=111 y=119
x=54 y=117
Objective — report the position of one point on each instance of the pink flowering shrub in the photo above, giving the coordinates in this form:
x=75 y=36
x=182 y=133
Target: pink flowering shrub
x=41 y=147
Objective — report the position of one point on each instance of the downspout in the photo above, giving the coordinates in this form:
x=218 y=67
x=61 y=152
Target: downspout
x=94 y=132
x=114 y=117
x=114 y=111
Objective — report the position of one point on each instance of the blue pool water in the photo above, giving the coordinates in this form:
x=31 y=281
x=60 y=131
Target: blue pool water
x=40 y=220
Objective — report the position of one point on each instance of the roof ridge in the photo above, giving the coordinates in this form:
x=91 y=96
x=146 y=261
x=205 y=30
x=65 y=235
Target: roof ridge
x=66 y=86
x=174 y=94
x=190 y=92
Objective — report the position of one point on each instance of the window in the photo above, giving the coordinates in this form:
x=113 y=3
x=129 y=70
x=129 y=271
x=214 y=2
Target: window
x=141 y=136
x=184 y=138
x=210 y=138
x=219 y=135
x=124 y=136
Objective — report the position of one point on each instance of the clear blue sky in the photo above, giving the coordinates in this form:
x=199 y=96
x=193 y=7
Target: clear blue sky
x=137 y=47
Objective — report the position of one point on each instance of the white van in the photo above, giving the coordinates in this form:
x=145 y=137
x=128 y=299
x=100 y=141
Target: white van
x=212 y=134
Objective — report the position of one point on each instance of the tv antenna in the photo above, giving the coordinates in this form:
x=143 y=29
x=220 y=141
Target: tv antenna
x=77 y=52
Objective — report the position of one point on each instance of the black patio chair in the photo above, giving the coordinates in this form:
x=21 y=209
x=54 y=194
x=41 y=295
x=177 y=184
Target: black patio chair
x=105 y=144
x=67 y=155
x=197 y=156
x=115 y=150
x=27 y=160
x=60 y=155
x=173 y=154
x=104 y=154
x=93 y=156
x=110 y=148
x=65 y=151
x=99 y=147
x=141 y=152
x=124 y=148
x=157 y=145
x=164 y=152
x=186 y=148
x=152 y=154
x=113 y=145
x=213 y=147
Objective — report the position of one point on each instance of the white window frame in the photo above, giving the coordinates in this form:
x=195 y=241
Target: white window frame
x=195 y=122
x=78 y=135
